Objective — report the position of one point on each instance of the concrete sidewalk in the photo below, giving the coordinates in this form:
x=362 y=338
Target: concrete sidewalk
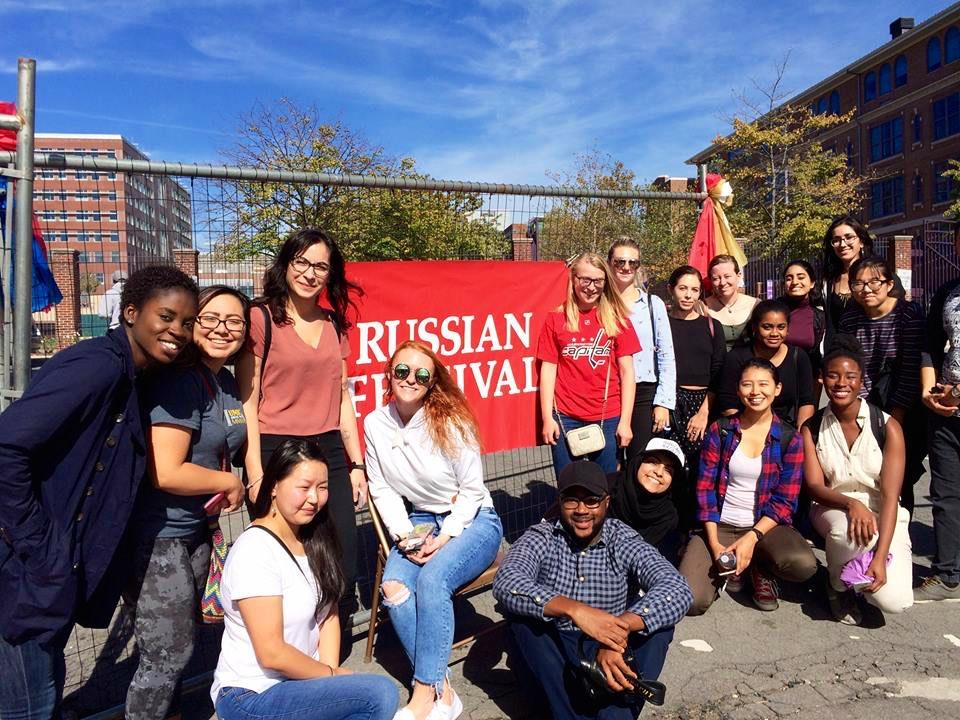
x=738 y=663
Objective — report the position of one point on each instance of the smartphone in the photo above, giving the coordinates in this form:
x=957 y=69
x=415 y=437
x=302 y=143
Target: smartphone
x=413 y=543
x=213 y=503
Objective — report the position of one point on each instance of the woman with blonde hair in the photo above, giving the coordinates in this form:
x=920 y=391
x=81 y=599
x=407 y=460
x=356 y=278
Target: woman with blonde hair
x=423 y=447
x=586 y=352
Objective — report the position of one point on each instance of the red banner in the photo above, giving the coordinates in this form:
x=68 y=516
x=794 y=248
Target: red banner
x=482 y=318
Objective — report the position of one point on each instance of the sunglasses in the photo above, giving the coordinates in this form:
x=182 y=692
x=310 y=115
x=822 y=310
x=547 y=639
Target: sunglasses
x=401 y=371
x=572 y=502
x=625 y=263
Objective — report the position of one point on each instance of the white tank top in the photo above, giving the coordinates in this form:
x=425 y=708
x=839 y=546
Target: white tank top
x=738 y=504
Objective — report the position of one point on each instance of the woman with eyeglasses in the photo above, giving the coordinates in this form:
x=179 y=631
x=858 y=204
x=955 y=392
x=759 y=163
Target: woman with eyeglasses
x=196 y=427
x=423 y=450
x=891 y=332
x=845 y=242
x=293 y=375
x=727 y=305
x=654 y=368
x=586 y=352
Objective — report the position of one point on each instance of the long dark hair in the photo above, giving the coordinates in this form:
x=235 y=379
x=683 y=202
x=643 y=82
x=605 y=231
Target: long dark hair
x=319 y=536
x=751 y=333
x=814 y=296
x=832 y=267
x=190 y=355
x=338 y=289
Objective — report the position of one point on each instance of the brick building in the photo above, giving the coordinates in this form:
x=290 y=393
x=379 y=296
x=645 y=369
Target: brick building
x=113 y=220
x=906 y=96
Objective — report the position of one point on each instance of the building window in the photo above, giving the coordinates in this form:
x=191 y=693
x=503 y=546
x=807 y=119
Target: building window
x=886 y=197
x=942 y=184
x=115 y=256
x=886 y=139
x=946 y=116
x=113 y=215
x=99 y=277
x=918 y=189
x=870 y=86
x=951 y=45
x=886 y=80
x=114 y=237
x=835 y=103
x=900 y=71
x=918 y=128
x=933 y=54
x=821 y=106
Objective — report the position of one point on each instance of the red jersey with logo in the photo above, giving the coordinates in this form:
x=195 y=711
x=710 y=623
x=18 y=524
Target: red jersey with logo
x=581 y=358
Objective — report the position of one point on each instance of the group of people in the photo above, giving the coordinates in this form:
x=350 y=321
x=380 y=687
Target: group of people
x=693 y=428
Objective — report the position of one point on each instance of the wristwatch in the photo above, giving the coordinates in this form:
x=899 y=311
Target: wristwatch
x=358 y=466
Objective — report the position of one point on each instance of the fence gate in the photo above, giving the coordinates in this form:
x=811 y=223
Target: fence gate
x=938 y=261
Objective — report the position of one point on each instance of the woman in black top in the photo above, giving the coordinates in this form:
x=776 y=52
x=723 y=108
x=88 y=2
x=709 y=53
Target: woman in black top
x=699 y=348
x=765 y=337
x=845 y=242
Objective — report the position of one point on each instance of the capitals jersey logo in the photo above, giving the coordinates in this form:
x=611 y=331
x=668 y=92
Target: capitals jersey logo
x=593 y=349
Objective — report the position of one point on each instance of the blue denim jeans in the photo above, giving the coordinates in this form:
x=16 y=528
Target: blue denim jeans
x=31 y=680
x=549 y=658
x=367 y=697
x=606 y=458
x=424 y=620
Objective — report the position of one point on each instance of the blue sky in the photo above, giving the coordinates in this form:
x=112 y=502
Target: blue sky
x=491 y=90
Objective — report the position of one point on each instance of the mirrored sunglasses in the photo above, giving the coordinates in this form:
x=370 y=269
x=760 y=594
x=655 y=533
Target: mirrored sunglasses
x=401 y=371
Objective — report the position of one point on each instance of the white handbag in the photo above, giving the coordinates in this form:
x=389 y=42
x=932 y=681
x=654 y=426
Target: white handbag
x=589 y=438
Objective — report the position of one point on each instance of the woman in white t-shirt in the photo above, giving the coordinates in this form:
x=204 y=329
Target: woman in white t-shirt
x=853 y=470
x=281 y=640
x=423 y=447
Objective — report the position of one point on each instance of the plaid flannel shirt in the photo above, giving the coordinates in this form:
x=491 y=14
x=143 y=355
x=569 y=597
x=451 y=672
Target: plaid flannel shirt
x=617 y=573
x=780 y=478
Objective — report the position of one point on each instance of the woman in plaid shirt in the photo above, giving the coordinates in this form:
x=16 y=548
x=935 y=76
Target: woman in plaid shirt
x=751 y=469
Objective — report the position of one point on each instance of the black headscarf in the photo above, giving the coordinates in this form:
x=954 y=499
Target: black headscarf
x=651 y=515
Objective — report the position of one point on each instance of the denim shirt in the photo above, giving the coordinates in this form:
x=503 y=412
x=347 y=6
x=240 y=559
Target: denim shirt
x=643 y=362
x=72 y=454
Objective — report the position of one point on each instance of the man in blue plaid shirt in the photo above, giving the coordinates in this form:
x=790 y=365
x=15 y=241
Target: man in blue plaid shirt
x=584 y=575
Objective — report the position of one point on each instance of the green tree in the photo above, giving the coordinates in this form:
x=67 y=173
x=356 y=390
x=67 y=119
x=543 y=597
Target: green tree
x=252 y=218
x=953 y=172
x=787 y=184
x=663 y=228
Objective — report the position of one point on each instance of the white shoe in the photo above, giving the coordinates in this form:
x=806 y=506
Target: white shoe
x=442 y=711
x=404 y=714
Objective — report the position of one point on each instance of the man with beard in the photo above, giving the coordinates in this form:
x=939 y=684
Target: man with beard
x=585 y=586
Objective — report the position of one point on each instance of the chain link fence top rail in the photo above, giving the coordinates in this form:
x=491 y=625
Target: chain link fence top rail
x=102 y=216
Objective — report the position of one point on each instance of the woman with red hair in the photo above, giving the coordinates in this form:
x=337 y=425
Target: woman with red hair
x=423 y=447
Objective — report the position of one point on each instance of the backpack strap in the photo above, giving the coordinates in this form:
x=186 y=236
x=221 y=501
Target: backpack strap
x=813 y=424
x=653 y=334
x=877 y=424
x=267 y=337
x=787 y=431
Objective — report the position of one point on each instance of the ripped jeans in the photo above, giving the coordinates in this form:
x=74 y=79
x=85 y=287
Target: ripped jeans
x=424 y=619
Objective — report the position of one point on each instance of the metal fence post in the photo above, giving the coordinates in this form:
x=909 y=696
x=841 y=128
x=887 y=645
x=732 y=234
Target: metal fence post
x=23 y=269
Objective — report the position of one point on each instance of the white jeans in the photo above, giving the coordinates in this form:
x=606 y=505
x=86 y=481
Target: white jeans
x=897 y=595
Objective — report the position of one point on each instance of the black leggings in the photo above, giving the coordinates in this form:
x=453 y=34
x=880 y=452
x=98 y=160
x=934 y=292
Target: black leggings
x=341 y=495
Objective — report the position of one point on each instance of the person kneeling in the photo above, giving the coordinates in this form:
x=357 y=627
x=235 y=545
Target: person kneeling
x=604 y=563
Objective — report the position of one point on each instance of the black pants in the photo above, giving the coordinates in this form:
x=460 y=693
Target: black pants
x=915 y=440
x=945 y=494
x=642 y=420
x=549 y=657
x=341 y=495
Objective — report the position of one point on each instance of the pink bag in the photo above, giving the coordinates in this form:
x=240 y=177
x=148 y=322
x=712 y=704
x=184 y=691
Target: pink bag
x=854 y=571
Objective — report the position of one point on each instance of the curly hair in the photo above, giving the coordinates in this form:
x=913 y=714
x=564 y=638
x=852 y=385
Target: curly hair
x=450 y=421
x=338 y=289
x=153 y=280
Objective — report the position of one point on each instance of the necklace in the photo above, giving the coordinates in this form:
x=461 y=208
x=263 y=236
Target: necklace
x=729 y=307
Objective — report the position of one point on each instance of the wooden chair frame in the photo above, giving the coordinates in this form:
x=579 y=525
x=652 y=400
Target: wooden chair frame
x=484 y=580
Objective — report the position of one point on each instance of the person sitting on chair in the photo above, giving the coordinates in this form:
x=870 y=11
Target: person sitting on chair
x=604 y=563
x=423 y=446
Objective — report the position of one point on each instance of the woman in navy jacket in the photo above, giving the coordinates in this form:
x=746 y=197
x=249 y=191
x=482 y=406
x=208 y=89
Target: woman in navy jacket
x=72 y=454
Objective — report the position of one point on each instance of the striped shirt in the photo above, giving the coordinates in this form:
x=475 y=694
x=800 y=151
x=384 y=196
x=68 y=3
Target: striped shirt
x=884 y=338
x=618 y=573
